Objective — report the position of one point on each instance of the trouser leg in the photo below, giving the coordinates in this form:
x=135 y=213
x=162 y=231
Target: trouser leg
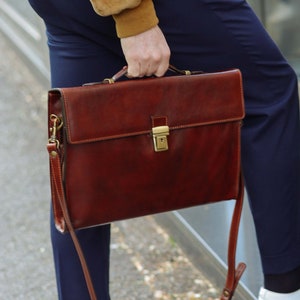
x=216 y=35
x=72 y=66
x=76 y=58
x=67 y=71
x=69 y=276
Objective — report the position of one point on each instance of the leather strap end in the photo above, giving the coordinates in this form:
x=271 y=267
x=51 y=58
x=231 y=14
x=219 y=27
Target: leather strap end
x=227 y=293
x=239 y=272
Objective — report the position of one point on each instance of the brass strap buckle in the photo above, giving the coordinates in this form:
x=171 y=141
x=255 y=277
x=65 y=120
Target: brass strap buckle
x=57 y=125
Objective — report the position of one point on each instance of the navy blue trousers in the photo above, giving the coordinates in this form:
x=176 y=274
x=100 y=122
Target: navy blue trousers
x=209 y=35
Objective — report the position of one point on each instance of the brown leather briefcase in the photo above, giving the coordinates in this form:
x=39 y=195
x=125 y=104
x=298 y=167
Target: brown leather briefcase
x=144 y=146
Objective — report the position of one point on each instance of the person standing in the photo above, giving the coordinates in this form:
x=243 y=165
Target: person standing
x=89 y=41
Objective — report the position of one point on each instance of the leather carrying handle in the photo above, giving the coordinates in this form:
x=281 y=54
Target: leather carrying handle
x=233 y=274
x=171 y=68
x=123 y=72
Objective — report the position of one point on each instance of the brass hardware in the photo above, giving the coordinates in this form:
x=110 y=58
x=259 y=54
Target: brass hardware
x=109 y=80
x=160 y=139
x=57 y=125
x=226 y=293
x=53 y=153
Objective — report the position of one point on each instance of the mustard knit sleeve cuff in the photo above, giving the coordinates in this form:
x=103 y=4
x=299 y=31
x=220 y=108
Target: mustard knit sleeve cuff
x=137 y=20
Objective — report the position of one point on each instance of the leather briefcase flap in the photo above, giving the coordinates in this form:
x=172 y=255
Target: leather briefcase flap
x=132 y=114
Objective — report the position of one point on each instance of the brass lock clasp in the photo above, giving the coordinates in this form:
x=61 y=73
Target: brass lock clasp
x=160 y=138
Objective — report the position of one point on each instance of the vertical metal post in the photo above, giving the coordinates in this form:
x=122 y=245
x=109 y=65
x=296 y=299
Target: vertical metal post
x=263 y=12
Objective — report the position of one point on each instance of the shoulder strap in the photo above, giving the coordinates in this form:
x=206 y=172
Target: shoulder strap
x=56 y=178
x=234 y=275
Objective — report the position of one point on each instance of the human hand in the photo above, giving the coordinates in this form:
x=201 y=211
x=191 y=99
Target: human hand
x=146 y=53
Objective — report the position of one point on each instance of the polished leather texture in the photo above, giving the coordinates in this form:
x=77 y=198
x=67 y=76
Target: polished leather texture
x=103 y=163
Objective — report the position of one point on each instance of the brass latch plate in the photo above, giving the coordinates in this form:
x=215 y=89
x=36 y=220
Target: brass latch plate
x=160 y=138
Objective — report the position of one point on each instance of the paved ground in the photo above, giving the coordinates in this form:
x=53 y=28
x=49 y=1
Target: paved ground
x=145 y=263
